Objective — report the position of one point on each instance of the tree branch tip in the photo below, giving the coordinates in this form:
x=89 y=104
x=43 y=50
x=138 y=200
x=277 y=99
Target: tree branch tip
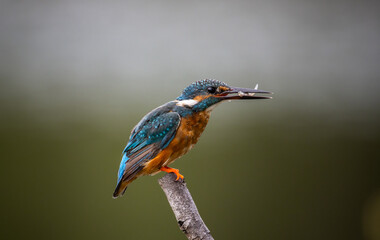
x=184 y=208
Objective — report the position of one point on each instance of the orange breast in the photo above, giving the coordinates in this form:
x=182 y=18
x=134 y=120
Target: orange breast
x=187 y=135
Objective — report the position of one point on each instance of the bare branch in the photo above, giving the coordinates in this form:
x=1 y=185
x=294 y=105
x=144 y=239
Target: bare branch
x=183 y=206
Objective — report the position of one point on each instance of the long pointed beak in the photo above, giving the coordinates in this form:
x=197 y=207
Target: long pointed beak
x=244 y=93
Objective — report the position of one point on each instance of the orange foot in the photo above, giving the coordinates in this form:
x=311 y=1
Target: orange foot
x=173 y=170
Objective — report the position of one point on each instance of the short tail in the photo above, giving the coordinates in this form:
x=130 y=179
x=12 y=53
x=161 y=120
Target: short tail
x=125 y=176
x=120 y=189
x=122 y=186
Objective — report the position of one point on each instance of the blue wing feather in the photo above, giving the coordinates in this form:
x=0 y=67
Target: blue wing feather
x=122 y=166
x=150 y=136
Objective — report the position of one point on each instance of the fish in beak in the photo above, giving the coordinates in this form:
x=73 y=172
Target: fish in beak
x=243 y=93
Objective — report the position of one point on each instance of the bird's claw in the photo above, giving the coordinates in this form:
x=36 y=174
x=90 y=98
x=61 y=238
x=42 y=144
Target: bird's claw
x=172 y=170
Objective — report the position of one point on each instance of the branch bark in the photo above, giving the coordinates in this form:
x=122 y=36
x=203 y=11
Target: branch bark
x=183 y=206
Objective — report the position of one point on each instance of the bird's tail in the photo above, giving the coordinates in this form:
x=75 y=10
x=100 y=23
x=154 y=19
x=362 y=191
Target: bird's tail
x=121 y=187
x=121 y=184
x=126 y=175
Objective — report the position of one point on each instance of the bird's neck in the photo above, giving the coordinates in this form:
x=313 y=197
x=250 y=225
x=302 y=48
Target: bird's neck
x=195 y=105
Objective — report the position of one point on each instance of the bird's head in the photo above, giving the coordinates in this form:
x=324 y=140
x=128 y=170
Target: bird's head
x=204 y=94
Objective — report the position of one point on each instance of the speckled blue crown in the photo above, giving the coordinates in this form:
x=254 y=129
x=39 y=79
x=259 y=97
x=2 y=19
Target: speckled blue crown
x=196 y=87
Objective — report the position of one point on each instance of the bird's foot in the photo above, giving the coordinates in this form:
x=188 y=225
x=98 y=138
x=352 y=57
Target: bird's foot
x=173 y=170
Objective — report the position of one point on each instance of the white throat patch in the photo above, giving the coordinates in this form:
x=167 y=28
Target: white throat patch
x=186 y=103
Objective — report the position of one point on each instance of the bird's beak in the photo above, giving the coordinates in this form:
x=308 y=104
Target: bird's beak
x=243 y=93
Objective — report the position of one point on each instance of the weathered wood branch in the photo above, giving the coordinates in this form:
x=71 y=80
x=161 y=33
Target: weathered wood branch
x=183 y=206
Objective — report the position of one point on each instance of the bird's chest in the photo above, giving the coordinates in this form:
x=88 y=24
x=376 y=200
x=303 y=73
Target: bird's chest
x=188 y=133
x=193 y=126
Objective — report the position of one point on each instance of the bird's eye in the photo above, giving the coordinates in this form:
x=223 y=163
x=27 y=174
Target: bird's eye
x=211 y=89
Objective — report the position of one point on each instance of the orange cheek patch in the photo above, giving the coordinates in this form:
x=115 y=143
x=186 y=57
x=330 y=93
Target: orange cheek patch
x=200 y=98
x=222 y=88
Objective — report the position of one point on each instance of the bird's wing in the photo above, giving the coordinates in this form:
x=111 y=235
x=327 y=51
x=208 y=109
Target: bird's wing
x=150 y=136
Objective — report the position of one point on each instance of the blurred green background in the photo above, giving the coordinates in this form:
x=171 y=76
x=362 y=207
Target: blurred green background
x=76 y=76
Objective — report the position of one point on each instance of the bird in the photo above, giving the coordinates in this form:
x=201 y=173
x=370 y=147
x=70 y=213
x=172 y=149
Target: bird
x=172 y=129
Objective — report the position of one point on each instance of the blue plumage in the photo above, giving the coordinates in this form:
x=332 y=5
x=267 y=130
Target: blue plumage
x=200 y=88
x=159 y=128
x=151 y=135
x=122 y=167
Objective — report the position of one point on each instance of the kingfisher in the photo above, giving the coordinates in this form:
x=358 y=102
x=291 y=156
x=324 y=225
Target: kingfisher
x=171 y=130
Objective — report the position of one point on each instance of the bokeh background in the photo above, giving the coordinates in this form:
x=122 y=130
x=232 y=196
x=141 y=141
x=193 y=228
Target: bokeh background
x=76 y=76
